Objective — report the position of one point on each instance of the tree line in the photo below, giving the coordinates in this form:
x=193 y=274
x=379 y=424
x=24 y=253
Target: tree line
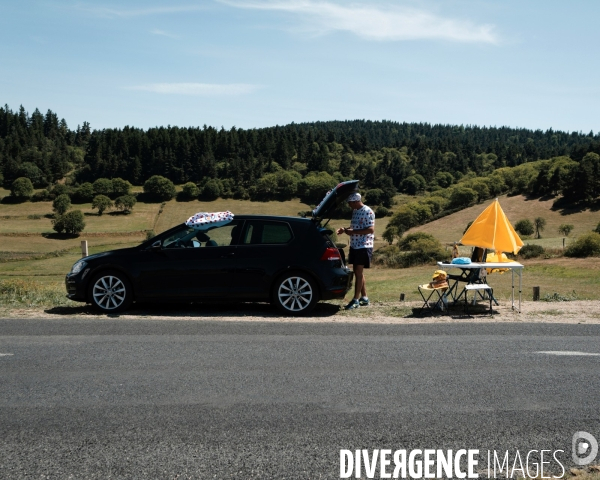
x=263 y=163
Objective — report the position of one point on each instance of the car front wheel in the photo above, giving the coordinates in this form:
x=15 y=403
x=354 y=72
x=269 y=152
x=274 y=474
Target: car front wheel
x=295 y=294
x=111 y=292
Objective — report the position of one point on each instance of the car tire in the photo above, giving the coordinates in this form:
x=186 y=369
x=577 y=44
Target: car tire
x=295 y=294
x=110 y=292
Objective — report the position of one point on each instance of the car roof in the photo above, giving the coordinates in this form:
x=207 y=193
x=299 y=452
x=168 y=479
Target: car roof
x=271 y=217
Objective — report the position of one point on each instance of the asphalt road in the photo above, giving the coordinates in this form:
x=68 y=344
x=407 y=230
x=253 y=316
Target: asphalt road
x=196 y=399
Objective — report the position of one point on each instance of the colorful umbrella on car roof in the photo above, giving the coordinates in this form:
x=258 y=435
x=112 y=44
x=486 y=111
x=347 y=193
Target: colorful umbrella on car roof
x=492 y=230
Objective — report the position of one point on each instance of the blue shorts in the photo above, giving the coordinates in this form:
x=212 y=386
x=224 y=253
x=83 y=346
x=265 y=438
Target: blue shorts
x=360 y=256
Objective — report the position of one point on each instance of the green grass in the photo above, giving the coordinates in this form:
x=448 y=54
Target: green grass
x=54 y=268
x=29 y=293
x=42 y=245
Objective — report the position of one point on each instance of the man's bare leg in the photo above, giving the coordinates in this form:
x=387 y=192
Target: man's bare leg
x=359 y=285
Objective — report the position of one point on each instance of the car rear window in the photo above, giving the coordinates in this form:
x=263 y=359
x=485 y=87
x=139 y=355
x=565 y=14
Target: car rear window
x=265 y=232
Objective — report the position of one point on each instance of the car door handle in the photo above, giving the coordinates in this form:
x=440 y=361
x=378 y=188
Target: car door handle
x=228 y=255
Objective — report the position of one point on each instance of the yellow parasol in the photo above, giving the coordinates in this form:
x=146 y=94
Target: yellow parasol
x=492 y=230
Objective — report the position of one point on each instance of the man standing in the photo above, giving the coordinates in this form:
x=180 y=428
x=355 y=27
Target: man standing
x=362 y=234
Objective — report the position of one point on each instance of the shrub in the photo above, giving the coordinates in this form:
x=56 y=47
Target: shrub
x=71 y=222
x=120 y=187
x=190 y=191
x=150 y=234
x=374 y=196
x=314 y=186
x=41 y=196
x=22 y=188
x=212 y=189
x=32 y=172
x=381 y=212
x=60 y=189
x=103 y=186
x=407 y=242
x=101 y=202
x=557 y=297
x=159 y=188
x=390 y=233
x=436 y=203
x=413 y=184
x=597 y=229
x=565 y=229
x=587 y=245
x=241 y=193
x=414 y=249
x=444 y=179
x=281 y=185
x=125 y=203
x=462 y=197
x=403 y=219
x=84 y=193
x=481 y=187
x=61 y=204
x=531 y=251
x=524 y=227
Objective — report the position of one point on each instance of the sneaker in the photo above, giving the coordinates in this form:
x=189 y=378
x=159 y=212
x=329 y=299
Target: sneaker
x=353 y=304
x=364 y=301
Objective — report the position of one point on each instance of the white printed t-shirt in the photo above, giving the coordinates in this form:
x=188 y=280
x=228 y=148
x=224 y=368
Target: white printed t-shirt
x=362 y=218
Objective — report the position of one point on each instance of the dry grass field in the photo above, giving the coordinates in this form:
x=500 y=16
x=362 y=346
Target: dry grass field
x=178 y=212
x=450 y=229
x=17 y=218
x=26 y=254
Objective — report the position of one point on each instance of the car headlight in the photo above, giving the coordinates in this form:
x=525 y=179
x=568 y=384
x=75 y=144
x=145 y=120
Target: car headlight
x=78 y=266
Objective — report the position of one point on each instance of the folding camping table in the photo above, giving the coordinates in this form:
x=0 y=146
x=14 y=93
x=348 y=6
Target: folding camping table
x=467 y=267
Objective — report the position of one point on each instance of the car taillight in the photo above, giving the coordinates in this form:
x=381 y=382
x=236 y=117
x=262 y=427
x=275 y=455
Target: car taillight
x=331 y=254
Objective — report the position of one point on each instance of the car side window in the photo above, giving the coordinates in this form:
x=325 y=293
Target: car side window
x=188 y=237
x=221 y=236
x=266 y=233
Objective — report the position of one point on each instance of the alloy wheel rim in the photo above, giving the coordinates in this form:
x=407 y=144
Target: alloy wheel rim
x=295 y=294
x=109 y=292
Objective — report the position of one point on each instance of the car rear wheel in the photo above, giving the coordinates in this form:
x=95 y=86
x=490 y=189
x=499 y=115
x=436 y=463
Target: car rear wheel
x=111 y=292
x=295 y=294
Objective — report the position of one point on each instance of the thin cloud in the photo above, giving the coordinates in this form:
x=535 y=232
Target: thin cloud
x=376 y=23
x=137 y=12
x=198 y=89
x=162 y=33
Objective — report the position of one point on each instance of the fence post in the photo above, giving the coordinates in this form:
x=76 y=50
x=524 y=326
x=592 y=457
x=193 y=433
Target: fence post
x=536 y=294
x=84 y=248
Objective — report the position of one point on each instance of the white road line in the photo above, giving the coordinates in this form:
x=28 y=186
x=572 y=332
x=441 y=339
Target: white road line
x=6 y=354
x=572 y=354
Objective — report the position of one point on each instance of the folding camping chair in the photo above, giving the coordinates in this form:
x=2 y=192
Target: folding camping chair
x=433 y=298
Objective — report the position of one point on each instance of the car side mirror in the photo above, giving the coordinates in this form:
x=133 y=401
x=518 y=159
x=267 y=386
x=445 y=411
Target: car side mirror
x=156 y=245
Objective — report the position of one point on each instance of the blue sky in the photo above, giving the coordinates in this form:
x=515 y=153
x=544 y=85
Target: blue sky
x=257 y=63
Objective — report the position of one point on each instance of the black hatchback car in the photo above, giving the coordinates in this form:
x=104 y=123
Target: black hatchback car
x=289 y=261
